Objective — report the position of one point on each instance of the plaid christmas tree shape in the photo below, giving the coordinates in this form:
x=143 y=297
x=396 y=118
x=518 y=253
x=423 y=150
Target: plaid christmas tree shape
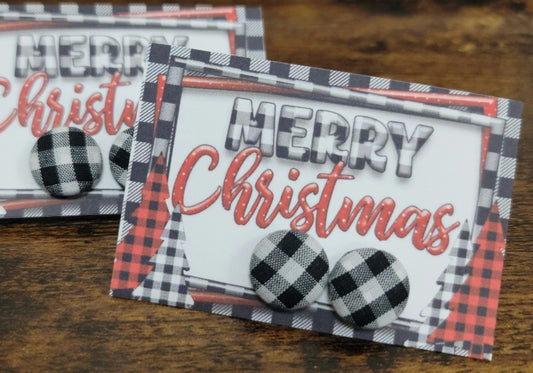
x=450 y=280
x=471 y=323
x=166 y=283
x=132 y=259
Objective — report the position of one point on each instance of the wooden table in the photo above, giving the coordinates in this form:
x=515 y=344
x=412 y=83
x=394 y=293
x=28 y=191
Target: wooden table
x=55 y=312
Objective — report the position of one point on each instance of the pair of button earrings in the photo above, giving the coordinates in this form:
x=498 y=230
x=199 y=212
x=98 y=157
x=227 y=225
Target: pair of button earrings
x=67 y=162
x=367 y=288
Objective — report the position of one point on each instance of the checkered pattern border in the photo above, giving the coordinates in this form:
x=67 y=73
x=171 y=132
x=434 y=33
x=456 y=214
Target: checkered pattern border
x=317 y=85
x=99 y=9
x=254 y=41
x=133 y=21
x=36 y=204
x=317 y=317
x=496 y=180
x=144 y=136
x=249 y=41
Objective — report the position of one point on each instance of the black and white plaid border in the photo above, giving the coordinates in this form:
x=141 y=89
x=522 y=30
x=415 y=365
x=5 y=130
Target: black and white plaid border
x=254 y=42
x=496 y=181
x=144 y=141
x=98 y=202
x=279 y=75
x=131 y=21
x=99 y=9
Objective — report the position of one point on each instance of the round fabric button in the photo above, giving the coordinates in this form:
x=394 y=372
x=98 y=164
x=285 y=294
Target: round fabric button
x=289 y=270
x=66 y=161
x=368 y=288
x=119 y=156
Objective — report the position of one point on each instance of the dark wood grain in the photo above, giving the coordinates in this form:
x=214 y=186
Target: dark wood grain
x=55 y=312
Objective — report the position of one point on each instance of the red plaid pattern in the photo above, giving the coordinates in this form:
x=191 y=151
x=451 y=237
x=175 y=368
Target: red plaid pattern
x=473 y=317
x=132 y=260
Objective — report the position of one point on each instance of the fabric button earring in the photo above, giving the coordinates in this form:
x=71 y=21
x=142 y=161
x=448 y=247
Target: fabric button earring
x=288 y=270
x=119 y=156
x=66 y=162
x=368 y=288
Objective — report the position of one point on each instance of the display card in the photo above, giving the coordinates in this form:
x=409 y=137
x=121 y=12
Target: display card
x=230 y=149
x=81 y=66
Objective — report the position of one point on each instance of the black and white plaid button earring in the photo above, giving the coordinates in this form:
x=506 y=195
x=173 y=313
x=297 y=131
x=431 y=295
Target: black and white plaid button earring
x=368 y=288
x=66 y=162
x=119 y=156
x=288 y=270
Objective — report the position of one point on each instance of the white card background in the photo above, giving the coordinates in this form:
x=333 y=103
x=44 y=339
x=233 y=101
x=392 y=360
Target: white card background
x=445 y=170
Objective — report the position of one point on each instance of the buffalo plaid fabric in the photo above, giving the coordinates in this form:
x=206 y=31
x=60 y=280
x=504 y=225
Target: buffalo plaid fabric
x=66 y=162
x=289 y=270
x=473 y=308
x=368 y=288
x=119 y=156
x=134 y=252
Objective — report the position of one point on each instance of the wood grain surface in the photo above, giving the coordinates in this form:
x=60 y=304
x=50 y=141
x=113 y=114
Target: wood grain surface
x=55 y=312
